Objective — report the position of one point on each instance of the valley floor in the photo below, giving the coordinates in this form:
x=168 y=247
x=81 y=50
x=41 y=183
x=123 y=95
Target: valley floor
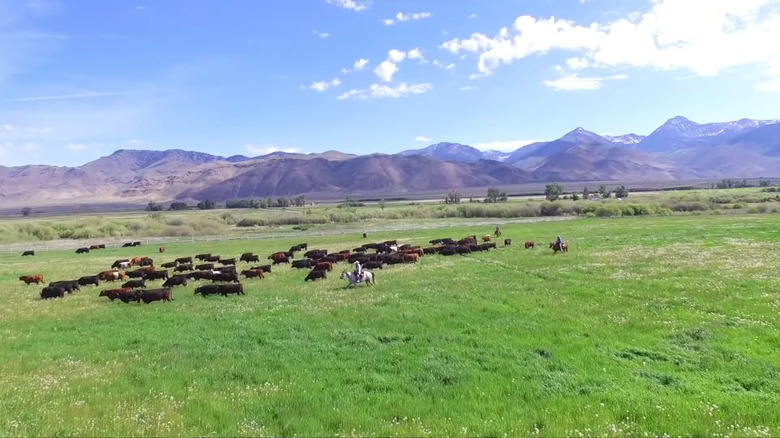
x=648 y=326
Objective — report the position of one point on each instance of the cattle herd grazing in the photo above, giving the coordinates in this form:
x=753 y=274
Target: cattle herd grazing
x=135 y=273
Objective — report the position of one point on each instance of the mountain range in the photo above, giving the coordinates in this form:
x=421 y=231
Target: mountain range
x=677 y=150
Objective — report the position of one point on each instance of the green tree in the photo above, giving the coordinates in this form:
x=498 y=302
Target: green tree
x=178 y=206
x=553 y=191
x=452 y=197
x=585 y=193
x=299 y=201
x=604 y=192
x=621 y=192
x=153 y=206
x=207 y=204
x=495 y=195
x=26 y=211
x=575 y=197
x=382 y=204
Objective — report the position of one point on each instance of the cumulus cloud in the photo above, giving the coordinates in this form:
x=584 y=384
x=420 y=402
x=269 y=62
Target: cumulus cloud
x=377 y=91
x=266 y=149
x=422 y=139
x=386 y=70
x=323 y=85
x=353 y=5
x=704 y=37
x=396 y=55
x=320 y=34
x=401 y=17
x=573 y=82
x=503 y=146
x=360 y=64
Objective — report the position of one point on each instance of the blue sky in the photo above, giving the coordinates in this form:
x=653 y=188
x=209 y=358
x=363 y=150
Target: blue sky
x=251 y=76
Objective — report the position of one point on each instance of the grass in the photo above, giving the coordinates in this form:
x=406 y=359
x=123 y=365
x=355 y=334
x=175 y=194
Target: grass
x=648 y=326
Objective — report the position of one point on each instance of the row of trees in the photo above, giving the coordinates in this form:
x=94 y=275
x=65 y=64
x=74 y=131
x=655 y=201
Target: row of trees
x=554 y=190
x=494 y=195
x=209 y=204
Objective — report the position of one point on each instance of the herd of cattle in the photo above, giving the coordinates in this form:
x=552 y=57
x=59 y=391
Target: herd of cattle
x=223 y=273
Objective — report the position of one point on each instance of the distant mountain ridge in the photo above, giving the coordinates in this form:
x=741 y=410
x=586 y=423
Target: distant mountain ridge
x=678 y=149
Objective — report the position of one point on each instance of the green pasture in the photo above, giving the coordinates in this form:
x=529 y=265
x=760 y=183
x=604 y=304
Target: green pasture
x=648 y=326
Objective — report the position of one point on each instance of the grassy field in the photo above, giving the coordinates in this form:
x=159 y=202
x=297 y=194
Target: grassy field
x=648 y=326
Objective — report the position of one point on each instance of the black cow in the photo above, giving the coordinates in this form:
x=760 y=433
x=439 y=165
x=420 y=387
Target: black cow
x=227 y=269
x=249 y=257
x=303 y=264
x=135 y=283
x=226 y=289
x=211 y=258
x=265 y=268
x=313 y=275
x=228 y=261
x=138 y=273
x=507 y=242
x=127 y=245
x=82 y=250
x=316 y=253
x=28 y=253
x=89 y=279
x=162 y=294
x=202 y=256
x=183 y=260
x=373 y=265
x=130 y=296
x=52 y=292
x=205 y=266
x=183 y=268
x=146 y=261
x=209 y=289
x=68 y=285
x=168 y=265
x=200 y=275
x=225 y=277
x=136 y=243
x=176 y=280
x=156 y=275
x=280 y=260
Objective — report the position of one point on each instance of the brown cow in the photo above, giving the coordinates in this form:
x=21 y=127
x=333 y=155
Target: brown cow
x=162 y=249
x=529 y=244
x=323 y=266
x=411 y=258
x=253 y=273
x=112 y=275
x=113 y=294
x=28 y=279
x=486 y=238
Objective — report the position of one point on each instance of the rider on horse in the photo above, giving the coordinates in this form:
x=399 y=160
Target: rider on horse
x=358 y=271
x=559 y=242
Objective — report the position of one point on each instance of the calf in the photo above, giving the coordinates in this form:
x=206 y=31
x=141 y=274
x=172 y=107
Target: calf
x=28 y=279
x=313 y=275
x=323 y=266
x=113 y=294
x=253 y=273
x=507 y=242
x=162 y=249
x=265 y=268
x=176 y=280
x=82 y=250
x=52 y=292
x=89 y=279
x=162 y=294
x=28 y=253
x=135 y=284
x=155 y=275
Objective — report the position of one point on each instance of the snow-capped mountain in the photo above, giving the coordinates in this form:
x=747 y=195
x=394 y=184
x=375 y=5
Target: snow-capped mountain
x=496 y=155
x=679 y=132
x=626 y=139
x=447 y=152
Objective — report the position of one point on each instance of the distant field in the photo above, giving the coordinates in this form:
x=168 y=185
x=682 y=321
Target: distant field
x=649 y=326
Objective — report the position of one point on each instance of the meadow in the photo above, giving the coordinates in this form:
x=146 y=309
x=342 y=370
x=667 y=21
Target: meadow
x=648 y=326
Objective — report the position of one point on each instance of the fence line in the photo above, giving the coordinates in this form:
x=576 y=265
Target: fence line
x=70 y=244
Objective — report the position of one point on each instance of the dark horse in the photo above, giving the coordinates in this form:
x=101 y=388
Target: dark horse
x=559 y=247
x=529 y=244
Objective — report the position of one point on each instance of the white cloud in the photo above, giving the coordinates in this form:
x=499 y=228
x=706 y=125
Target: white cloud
x=504 y=146
x=422 y=139
x=386 y=70
x=472 y=16
x=401 y=17
x=269 y=149
x=323 y=85
x=396 y=55
x=320 y=34
x=77 y=147
x=7 y=127
x=704 y=37
x=467 y=88
x=354 y=5
x=360 y=64
x=573 y=82
x=386 y=92
x=415 y=54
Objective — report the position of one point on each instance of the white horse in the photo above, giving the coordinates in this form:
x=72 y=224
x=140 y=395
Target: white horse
x=368 y=278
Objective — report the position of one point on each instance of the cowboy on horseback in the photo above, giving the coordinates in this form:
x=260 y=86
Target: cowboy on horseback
x=559 y=241
x=358 y=271
x=497 y=233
